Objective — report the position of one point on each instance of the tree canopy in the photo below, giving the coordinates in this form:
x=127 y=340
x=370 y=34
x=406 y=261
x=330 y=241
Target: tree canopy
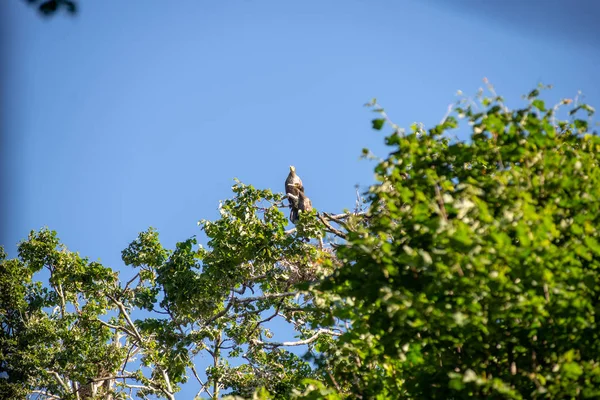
x=468 y=270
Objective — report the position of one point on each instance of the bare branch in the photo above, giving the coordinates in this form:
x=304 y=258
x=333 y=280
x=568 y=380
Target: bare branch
x=130 y=353
x=133 y=386
x=123 y=311
x=76 y=388
x=342 y=221
x=203 y=387
x=222 y=312
x=450 y=106
x=48 y=395
x=267 y=319
x=264 y=297
x=330 y=228
x=131 y=281
x=440 y=200
x=61 y=295
x=343 y=216
x=110 y=378
x=168 y=382
x=60 y=380
x=116 y=327
x=299 y=342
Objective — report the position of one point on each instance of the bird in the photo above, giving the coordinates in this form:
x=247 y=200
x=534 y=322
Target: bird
x=293 y=183
x=293 y=188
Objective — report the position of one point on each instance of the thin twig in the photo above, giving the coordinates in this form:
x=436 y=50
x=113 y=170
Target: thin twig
x=440 y=200
x=130 y=282
x=202 y=385
x=447 y=114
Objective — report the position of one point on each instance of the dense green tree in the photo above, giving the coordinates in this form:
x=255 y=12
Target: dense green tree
x=471 y=272
x=73 y=330
x=477 y=275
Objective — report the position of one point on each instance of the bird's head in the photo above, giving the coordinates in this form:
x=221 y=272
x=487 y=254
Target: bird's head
x=292 y=169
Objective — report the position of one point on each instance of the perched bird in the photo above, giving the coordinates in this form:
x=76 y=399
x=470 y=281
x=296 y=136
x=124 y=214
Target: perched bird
x=293 y=183
x=293 y=188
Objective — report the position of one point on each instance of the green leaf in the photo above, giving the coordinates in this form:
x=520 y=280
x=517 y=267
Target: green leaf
x=533 y=94
x=378 y=123
x=539 y=104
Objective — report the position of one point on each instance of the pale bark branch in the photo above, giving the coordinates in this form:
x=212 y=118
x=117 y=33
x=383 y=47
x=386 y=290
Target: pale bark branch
x=299 y=342
x=264 y=297
x=330 y=228
x=168 y=382
x=203 y=387
x=44 y=393
x=133 y=386
x=116 y=327
x=60 y=380
x=123 y=311
x=440 y=199
x=111 y=377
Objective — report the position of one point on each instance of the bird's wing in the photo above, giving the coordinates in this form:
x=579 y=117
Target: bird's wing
x=307 y=206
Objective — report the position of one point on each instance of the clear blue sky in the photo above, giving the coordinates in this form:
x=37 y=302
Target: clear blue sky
x=140 y=113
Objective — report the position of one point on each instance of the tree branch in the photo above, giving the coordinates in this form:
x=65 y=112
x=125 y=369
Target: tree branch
x=264 y=297
x=130 y=282
x=169 y=391
x=131 y=352
x=299 y=342
x=123 y=311
x=203 y=387
x=111 y=377
x=222 y=312
x=48 y=395
x=115 y=327
x=440 y=199
x=330 y=228
x=60 y=380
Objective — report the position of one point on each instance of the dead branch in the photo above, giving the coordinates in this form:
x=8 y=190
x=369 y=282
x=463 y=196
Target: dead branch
x=264 y=297
x=330 y=228
x=299 y=342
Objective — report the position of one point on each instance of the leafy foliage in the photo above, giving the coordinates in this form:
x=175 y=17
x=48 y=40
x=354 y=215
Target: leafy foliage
x=477 y=274
x=86 y=334
x=470 y=270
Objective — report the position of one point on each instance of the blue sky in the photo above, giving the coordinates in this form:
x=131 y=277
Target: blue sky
x=137 y=114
